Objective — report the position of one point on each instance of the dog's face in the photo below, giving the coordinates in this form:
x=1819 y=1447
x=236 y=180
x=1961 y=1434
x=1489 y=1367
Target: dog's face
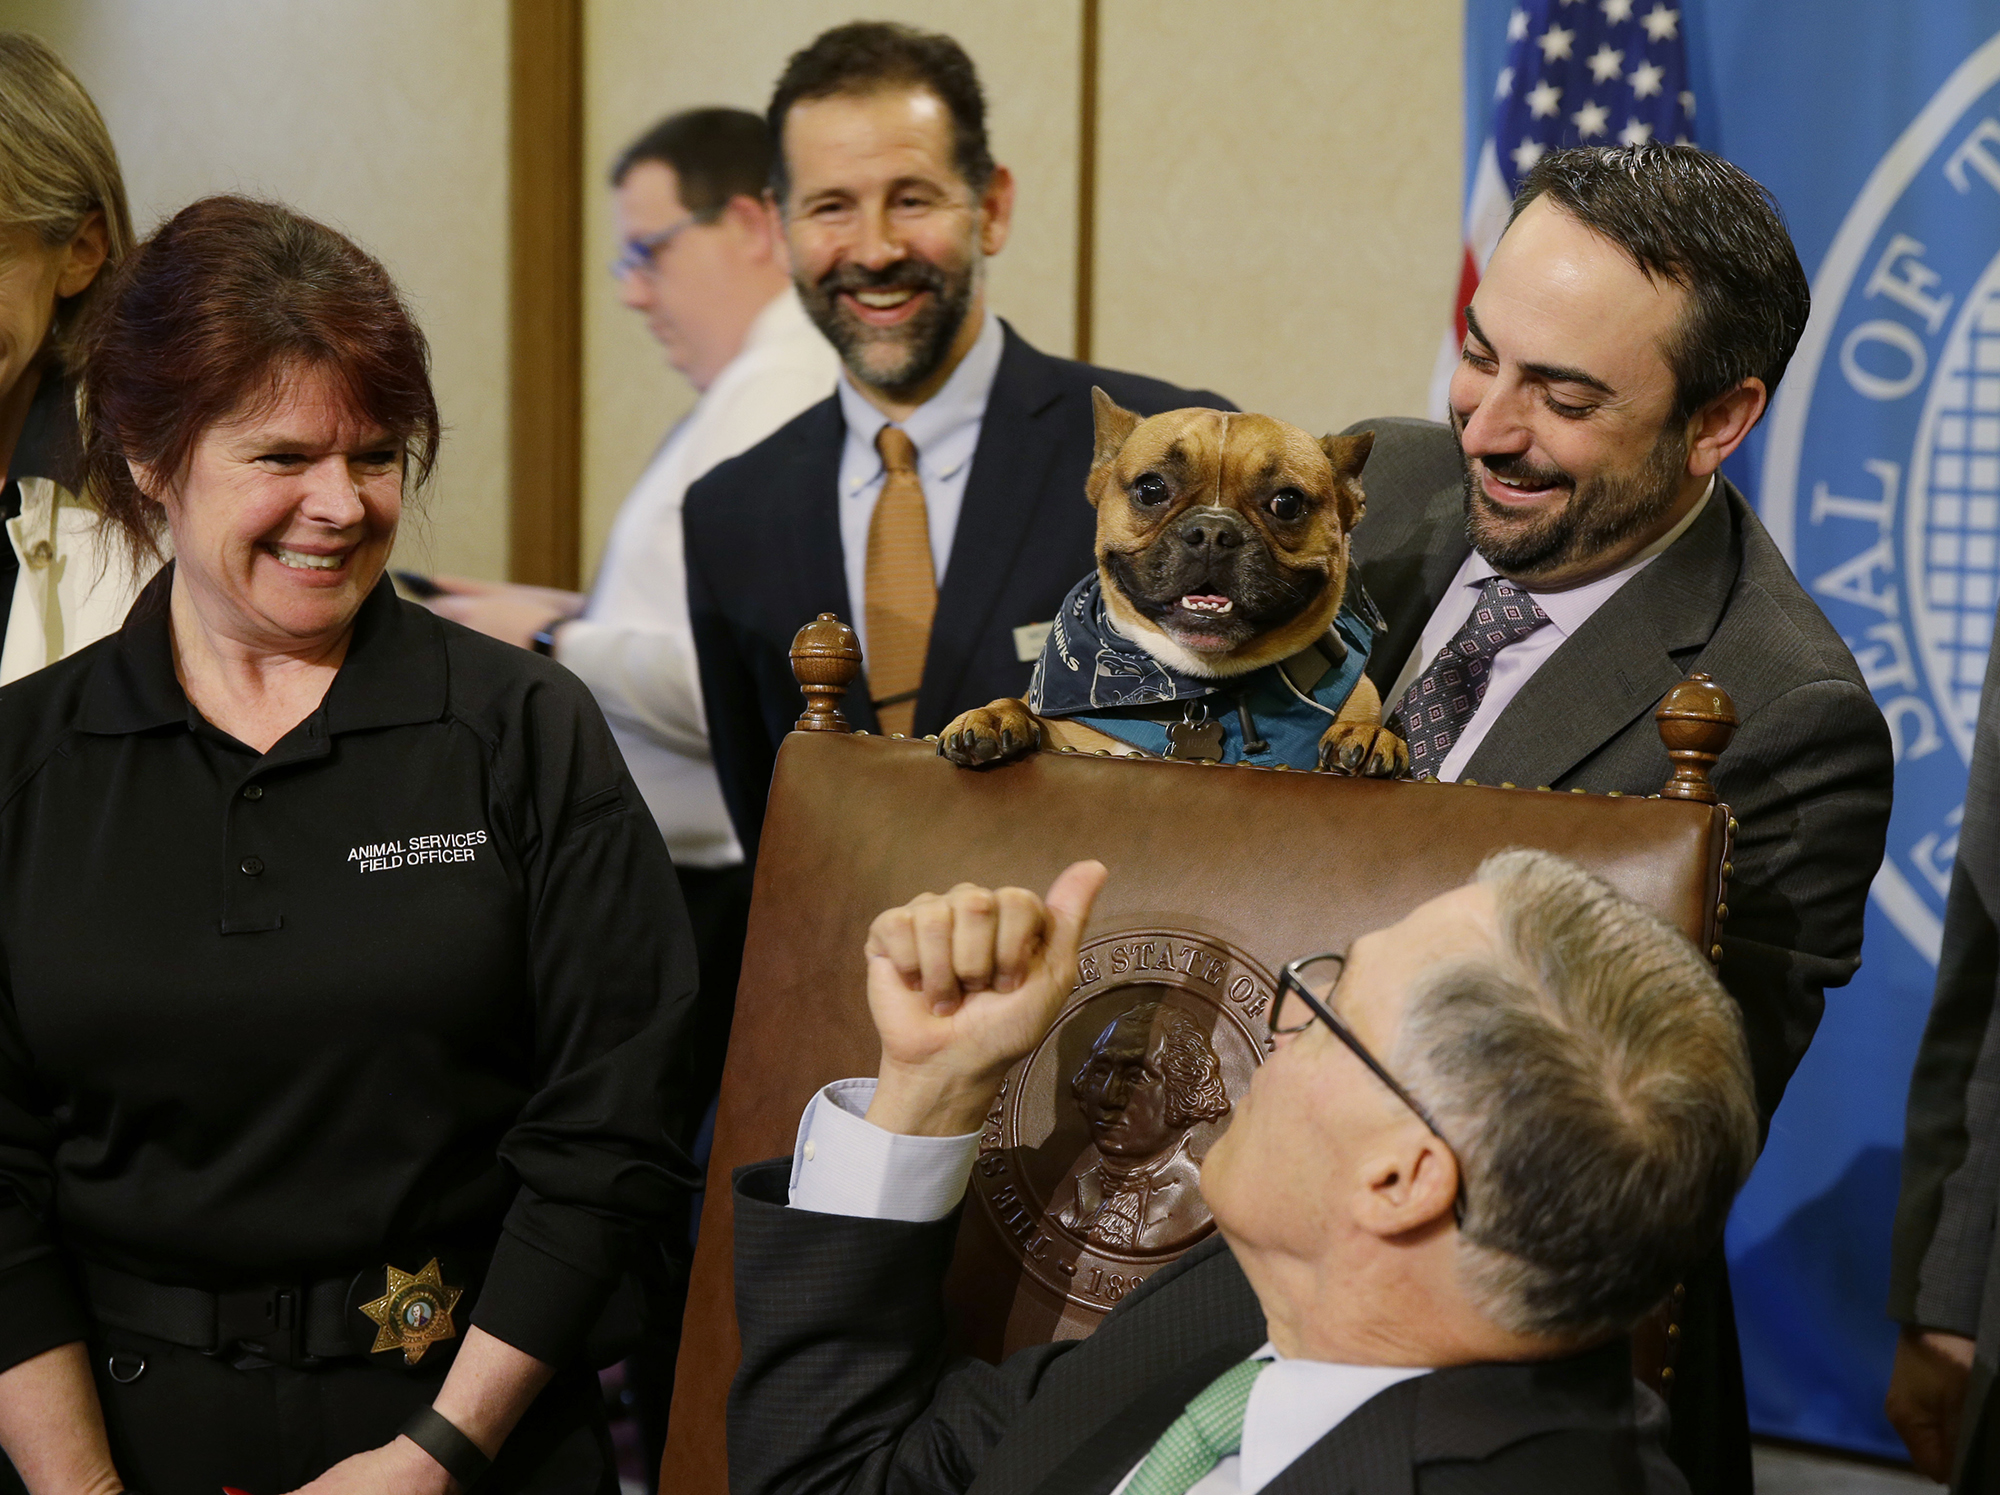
x=1221 y=538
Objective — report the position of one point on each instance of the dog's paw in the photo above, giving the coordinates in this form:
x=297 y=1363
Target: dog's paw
x=1363 y=750
x=996 y=733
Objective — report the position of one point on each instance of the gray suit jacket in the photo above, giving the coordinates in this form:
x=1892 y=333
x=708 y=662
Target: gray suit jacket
x=1808 y=776
x=847 y=1384
x=1943 y=1258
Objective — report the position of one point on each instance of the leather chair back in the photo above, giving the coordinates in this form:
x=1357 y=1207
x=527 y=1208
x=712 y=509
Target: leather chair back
x=1219 y=875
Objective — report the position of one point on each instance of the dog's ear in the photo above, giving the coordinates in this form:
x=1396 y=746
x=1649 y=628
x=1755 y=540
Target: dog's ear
x=1114 y=424
x=1348 y=454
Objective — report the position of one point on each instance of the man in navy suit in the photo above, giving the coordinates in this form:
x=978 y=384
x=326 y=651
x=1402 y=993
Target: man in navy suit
x=949 y=440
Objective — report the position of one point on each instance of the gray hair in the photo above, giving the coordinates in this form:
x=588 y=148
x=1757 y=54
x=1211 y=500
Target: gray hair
x=57 y=167
x=1594 y=1081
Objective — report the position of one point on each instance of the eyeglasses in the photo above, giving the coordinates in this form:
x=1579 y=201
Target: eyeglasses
x=641 y=253
x=1305 y=995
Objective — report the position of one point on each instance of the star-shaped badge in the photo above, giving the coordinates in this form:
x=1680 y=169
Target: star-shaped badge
x=414 y=1314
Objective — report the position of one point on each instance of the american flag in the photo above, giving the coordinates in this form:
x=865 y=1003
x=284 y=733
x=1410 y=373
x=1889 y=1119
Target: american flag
x=1579 y=72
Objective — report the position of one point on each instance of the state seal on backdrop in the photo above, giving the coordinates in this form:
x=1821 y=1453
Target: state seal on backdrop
x=1881 y=473
x=1090 y=1159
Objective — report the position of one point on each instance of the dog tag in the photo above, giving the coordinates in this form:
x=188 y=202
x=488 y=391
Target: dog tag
x=1197 y=740
x=1028 y=640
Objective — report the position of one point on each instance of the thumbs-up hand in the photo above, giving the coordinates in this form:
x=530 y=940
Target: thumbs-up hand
x=963 y=984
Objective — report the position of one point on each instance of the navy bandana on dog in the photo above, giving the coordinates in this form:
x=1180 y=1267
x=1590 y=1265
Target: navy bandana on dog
x=1093 y=673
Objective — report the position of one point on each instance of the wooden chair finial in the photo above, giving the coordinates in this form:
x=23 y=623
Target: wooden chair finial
x=1696 y=720
x=826 y=656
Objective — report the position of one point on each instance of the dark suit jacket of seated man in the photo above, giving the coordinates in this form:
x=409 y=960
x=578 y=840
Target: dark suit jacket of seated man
x=1597 y=395
x=891 y=204
x=1347 y=1331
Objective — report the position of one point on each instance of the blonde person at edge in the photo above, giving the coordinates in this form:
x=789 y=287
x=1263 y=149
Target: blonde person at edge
x=63 y=222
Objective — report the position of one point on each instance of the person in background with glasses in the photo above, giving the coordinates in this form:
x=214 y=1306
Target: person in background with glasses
x=701 y=261
x=1486 y=1142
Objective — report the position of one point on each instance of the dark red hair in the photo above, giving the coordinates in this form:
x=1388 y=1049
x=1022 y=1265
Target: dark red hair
x=208 y=317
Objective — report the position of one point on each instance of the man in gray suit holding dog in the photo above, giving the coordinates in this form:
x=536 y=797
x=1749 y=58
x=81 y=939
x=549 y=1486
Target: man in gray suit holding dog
x=1566 y=550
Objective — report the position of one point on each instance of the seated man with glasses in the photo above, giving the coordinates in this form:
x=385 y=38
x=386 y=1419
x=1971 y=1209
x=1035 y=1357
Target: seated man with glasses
x=1484 y=1145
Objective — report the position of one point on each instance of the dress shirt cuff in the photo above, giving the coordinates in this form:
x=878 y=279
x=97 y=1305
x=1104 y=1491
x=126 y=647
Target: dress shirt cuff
x=539 y=1305
x=38 y=1311
x=843 y=1164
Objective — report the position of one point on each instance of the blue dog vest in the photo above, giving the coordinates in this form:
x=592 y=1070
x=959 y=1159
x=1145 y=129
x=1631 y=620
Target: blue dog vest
x=1093 y=674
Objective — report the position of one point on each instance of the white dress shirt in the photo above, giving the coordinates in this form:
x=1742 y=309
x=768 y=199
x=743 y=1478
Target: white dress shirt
x=1516 y=664
x=634 y=645
x=1293 y=1404
x=944 y=430
x=843 y=1164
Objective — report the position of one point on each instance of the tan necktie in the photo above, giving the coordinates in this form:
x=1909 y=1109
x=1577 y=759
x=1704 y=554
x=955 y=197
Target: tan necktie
x=900 y=584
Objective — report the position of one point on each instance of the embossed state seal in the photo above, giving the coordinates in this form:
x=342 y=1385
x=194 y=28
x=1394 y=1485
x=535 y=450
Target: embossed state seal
x=1090 y=1159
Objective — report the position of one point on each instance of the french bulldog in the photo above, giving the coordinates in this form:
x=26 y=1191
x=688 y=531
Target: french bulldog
x=1222 y=621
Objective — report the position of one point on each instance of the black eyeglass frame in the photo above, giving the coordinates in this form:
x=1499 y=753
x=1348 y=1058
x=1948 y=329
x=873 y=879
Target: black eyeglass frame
x=1289 y=980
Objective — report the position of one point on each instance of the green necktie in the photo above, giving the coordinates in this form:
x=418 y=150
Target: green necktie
x=1200 y=1438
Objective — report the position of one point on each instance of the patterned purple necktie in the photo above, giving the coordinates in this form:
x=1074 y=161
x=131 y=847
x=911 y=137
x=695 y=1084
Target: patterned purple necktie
x=1449 y=691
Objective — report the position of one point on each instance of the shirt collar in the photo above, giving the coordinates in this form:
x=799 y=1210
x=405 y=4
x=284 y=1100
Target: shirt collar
x=1570 y=610
x=394 y=673
x=945 y=428
x=1295 y=1403
x=133 y=686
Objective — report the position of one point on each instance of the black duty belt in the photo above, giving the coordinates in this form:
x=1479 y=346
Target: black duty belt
x=298 y=1324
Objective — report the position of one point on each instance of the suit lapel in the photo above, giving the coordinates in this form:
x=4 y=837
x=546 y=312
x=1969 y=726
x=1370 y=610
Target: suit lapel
x=1622 y=660
x=1466 y=1414
x=1130 y=1430
x=818 y=558
x=1409 y=580
x=1011 y=469
x=1473 y=1412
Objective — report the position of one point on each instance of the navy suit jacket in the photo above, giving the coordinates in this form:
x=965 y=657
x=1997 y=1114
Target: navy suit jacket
x=764 y=558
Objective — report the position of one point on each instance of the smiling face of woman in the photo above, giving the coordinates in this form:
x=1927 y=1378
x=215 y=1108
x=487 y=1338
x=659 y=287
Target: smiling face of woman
x=286 y=516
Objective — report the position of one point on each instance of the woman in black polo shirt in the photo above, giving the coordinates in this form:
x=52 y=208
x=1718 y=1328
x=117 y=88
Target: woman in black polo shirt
x=342 y=970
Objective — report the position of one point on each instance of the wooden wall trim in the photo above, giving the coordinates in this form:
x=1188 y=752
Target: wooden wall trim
x=1086 y=184
x=545 y=285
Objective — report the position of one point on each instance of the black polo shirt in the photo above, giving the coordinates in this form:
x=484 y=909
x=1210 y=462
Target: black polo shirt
x=415 y=978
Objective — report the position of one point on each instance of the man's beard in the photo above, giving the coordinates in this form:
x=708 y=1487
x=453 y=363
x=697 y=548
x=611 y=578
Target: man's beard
x=1599 y=516
x=895 y=359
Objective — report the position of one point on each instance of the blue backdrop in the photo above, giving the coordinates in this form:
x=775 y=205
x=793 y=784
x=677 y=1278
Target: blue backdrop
x=1877 y=127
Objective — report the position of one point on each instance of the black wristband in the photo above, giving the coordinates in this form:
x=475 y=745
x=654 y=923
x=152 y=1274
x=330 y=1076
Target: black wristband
x=437 y=1436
